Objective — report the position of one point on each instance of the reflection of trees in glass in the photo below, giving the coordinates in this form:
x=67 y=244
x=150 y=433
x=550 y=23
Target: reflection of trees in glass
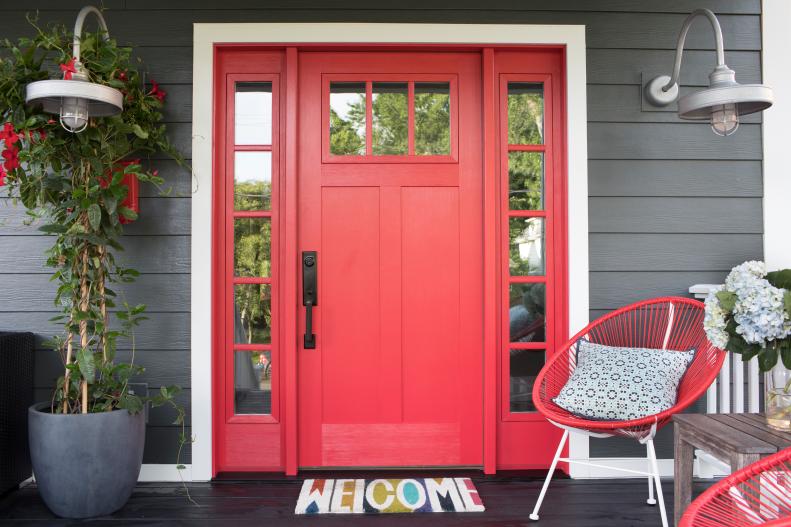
x=389 y=109
x=252 y=195
x=344 y=138
x=252 y=239
x=525 y=114
x=252 y=247
x=389 y=129
x=526 y=180
x=432 y=120
x=253 y=305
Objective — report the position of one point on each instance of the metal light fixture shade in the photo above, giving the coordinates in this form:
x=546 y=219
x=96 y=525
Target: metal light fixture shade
x=748 y=98
x=103 y=101
x=724 y=94
x=56 y=95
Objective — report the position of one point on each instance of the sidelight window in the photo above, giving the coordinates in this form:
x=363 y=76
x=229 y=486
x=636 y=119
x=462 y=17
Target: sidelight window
x=252 y=361
x=527 y=229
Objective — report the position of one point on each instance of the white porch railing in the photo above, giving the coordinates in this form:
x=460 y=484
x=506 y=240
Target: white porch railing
x=727 y=394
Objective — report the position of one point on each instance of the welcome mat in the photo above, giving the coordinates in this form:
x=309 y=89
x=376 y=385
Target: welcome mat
x=378 y=496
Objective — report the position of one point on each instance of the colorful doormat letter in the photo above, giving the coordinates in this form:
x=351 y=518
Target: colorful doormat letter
x=374 y=496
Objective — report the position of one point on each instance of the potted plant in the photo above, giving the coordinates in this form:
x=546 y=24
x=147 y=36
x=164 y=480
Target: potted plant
x=751 y=315
x=87 y=441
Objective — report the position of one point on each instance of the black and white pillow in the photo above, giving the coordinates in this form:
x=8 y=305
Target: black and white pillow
x=615 y=384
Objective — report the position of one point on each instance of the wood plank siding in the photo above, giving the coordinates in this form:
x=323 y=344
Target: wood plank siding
x=671 y=204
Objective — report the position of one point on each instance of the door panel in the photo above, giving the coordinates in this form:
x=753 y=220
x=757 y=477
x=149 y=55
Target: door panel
x=349 y=278
x=395 y=379
x=431 y=290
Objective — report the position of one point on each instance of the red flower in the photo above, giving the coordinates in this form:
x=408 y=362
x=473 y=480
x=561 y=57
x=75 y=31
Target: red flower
x=2 y=175
x=8 y=134
x=156 y=92
x=68 y=69
x=11 y=156
x=122 y=76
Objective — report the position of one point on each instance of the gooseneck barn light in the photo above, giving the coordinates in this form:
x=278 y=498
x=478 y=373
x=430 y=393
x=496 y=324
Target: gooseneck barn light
x=74 y=97
x=724 y=101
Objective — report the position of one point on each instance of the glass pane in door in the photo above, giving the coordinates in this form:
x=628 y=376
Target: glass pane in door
x=252 y=382
x=390 y=118
x=347 y=118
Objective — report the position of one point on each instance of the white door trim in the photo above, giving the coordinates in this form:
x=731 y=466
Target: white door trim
x=207 y=35
x=777 y=181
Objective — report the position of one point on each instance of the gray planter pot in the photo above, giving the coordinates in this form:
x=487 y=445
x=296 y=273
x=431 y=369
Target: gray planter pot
x=85 y=465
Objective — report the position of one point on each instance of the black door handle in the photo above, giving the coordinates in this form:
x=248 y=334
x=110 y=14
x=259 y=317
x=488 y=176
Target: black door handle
x=310 y=294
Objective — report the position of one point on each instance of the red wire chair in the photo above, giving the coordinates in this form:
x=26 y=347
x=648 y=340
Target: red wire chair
x=672 y=323
x=758 y=494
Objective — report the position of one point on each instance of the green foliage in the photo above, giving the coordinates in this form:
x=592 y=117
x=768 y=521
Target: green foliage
x=389 y=131
x=526 y=180
x=727 y=300
x=781 y=279
x=432 y=123
x=74 y=183
x=525 y=117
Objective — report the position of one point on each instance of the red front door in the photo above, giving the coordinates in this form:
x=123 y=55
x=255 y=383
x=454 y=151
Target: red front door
x=390 y=199
x=429 y=188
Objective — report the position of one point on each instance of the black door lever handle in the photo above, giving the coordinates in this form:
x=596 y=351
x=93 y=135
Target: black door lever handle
x=310 y=295
x=310 y=338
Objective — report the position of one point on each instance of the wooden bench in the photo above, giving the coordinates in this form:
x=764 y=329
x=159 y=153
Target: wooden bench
x=735 y=439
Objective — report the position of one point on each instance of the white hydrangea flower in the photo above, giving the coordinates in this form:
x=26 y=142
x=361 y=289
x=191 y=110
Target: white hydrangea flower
x=758 y=312
x=714 y=320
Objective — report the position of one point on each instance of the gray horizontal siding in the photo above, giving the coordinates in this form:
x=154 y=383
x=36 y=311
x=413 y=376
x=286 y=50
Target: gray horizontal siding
x=676 y=215
x=676 y=178
x=670 y=204
x=147 y=254
x=166 y=331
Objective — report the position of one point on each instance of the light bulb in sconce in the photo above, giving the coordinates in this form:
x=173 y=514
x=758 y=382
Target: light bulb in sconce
x=724 y=119
x=74 y=114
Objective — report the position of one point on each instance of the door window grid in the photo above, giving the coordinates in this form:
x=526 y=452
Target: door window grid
x=367 y=120
x=527 y=238
x=251 y=236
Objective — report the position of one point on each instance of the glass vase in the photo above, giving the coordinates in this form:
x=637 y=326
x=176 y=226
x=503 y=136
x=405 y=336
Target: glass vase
x=778 y=397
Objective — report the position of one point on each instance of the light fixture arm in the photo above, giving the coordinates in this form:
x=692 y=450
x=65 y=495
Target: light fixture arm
x=81 y=16
x=715 y=24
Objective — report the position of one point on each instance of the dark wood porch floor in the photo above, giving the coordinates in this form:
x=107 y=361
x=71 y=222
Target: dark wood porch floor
x=508 y=499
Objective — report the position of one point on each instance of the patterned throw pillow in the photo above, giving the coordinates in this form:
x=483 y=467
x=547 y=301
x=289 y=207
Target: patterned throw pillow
x=614 y=384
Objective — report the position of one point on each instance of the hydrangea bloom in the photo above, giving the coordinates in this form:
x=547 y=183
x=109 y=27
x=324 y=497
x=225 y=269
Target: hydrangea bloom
x=758 y=311
x=714 y=321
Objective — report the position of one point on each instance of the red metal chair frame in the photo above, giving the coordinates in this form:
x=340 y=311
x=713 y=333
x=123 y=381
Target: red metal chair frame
x=749 y=496
x=673 y=323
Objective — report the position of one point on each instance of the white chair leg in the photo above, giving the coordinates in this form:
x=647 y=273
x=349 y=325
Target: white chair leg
x=655 y=472
x=650 y=500
x=534 y=515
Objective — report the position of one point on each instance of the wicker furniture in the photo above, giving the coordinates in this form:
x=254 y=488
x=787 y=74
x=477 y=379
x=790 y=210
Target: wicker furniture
x=736 y=439
x=16 y=396
x=672 y=323
x=758 y=494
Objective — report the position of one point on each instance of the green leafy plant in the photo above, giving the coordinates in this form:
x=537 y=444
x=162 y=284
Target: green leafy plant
x=74 y=184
